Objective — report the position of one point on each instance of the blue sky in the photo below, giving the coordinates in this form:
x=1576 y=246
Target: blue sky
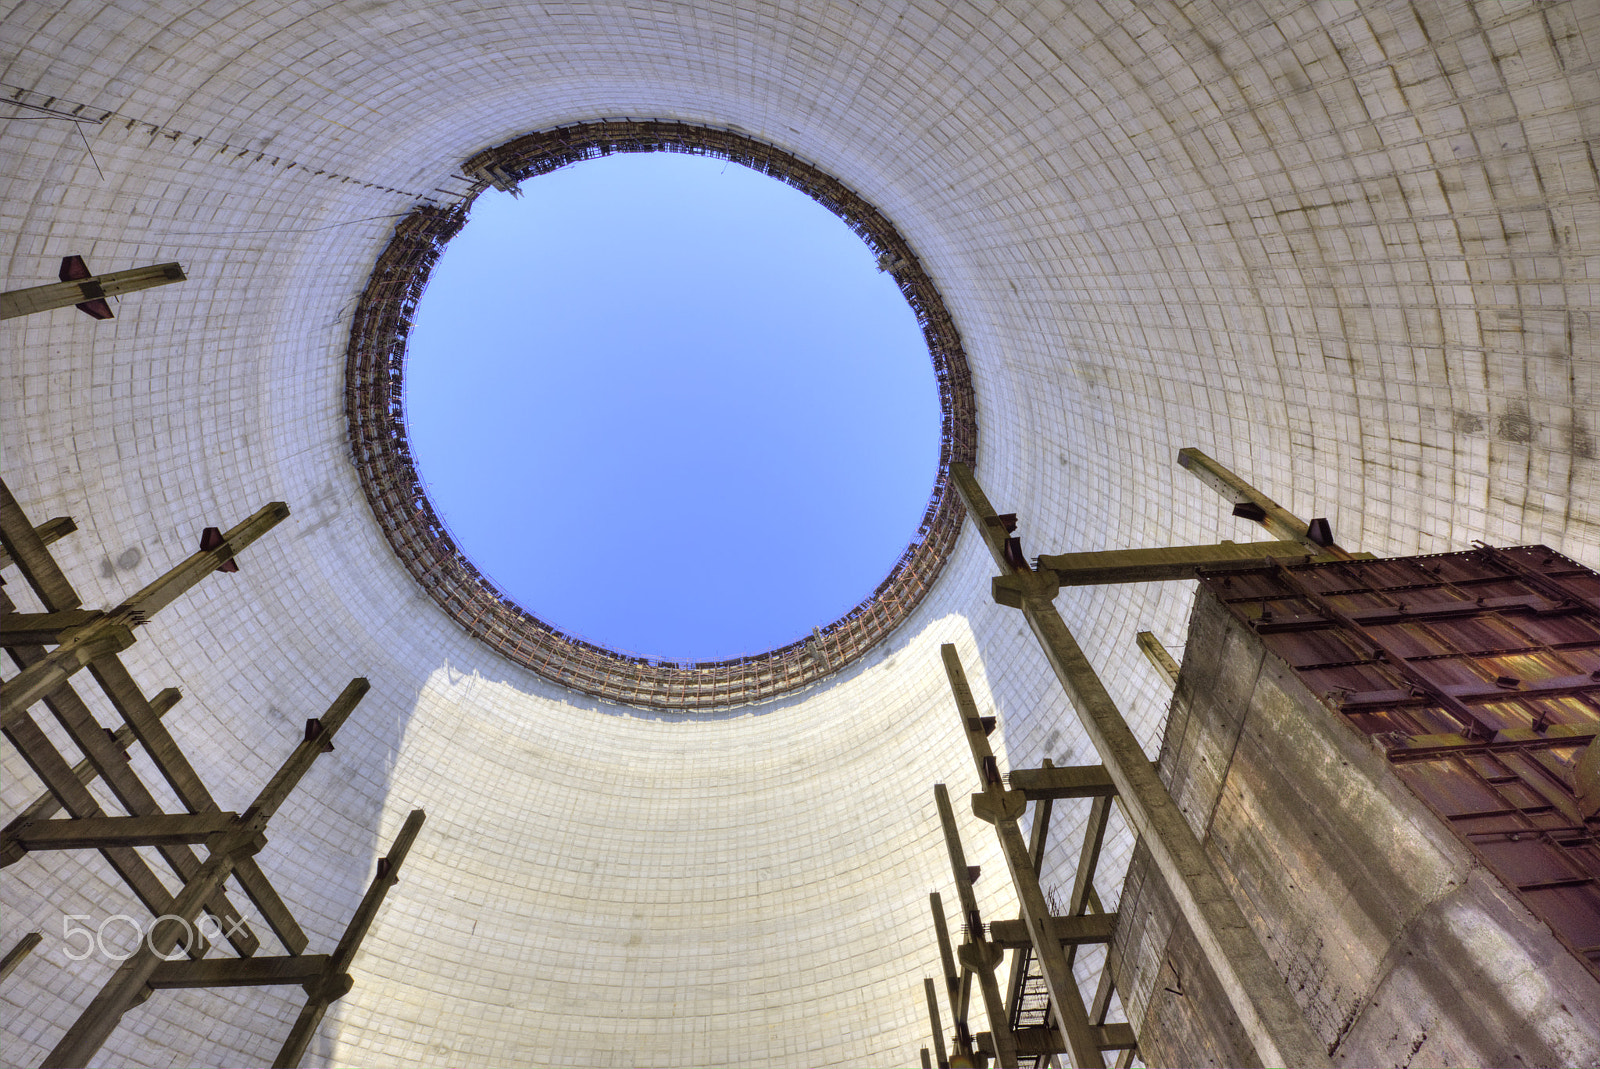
x=670 y=405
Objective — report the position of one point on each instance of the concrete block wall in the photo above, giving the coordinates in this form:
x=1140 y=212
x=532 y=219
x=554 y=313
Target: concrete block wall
x=1397 y=943
x=1349 y=249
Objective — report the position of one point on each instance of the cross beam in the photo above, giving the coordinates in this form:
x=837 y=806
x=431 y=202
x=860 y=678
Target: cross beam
x=1253 y=504
x=14 y=303
x=1167 y=563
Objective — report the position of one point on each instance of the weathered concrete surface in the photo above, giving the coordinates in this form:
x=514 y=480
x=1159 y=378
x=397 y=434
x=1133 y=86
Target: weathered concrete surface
x=1399 y=946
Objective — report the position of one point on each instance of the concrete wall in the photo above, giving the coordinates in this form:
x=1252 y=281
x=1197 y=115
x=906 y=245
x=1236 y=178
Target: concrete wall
x=1351 y=250
x=1399 y=945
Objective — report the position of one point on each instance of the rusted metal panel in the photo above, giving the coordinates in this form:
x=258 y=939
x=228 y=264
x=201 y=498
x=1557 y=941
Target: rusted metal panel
x=1478 y=675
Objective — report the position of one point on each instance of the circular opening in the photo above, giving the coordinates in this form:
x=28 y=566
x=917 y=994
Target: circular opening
x=671 y=405
x=375 y=406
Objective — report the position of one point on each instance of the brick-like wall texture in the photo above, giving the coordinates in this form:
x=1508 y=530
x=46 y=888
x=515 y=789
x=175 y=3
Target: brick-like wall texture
x=1351 y=250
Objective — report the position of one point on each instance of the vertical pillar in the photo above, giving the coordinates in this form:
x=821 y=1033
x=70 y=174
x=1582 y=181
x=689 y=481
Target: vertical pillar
x=335 y=982
x=1261 y=1001
x=1001 y=808
x=977 y=953
x=933 y=1020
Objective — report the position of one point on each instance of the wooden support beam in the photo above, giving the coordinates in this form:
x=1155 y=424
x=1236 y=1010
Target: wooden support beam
x=335 y=981
x=84 y=833
x=49 y=531
x=1166 y=564
x=1068 y=781
x=1158 y=655
x=21 y=949
x=238 y=972
x=1279 y=521
x=14 y=303
x=977 y=953
x=1002 y=807
x=247 y=835
x=1266 y=1010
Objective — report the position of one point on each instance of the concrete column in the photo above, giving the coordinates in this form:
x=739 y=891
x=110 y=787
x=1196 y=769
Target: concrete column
x=335 y=983
x=1001 y=808
x=978 y=954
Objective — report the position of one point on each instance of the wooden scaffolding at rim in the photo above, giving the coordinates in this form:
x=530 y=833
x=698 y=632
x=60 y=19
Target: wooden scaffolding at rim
x=374 y=370
x=48 y=648
x=1043 y=1013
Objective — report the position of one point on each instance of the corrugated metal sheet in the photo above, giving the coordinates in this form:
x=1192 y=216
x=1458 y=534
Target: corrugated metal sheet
x=1478 y=675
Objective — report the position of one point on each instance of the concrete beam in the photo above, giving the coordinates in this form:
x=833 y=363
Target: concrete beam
x=1165 y=564
x=1279 y=521
x=108 y=759
x=932 y=993
x=1067 y=931
x=1001 y=808
x=1159 y=656
x=48 y=805
x=335 y=982
x=80 y=833
x=46 y=761
x=978 y=954
x=49 y=531
x=42 y=628
x=1068 y=781
x=21 y=949
x=14 y=303
x=245 y=836
x=180 y=775
x=25 y=547
x=238 y=972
